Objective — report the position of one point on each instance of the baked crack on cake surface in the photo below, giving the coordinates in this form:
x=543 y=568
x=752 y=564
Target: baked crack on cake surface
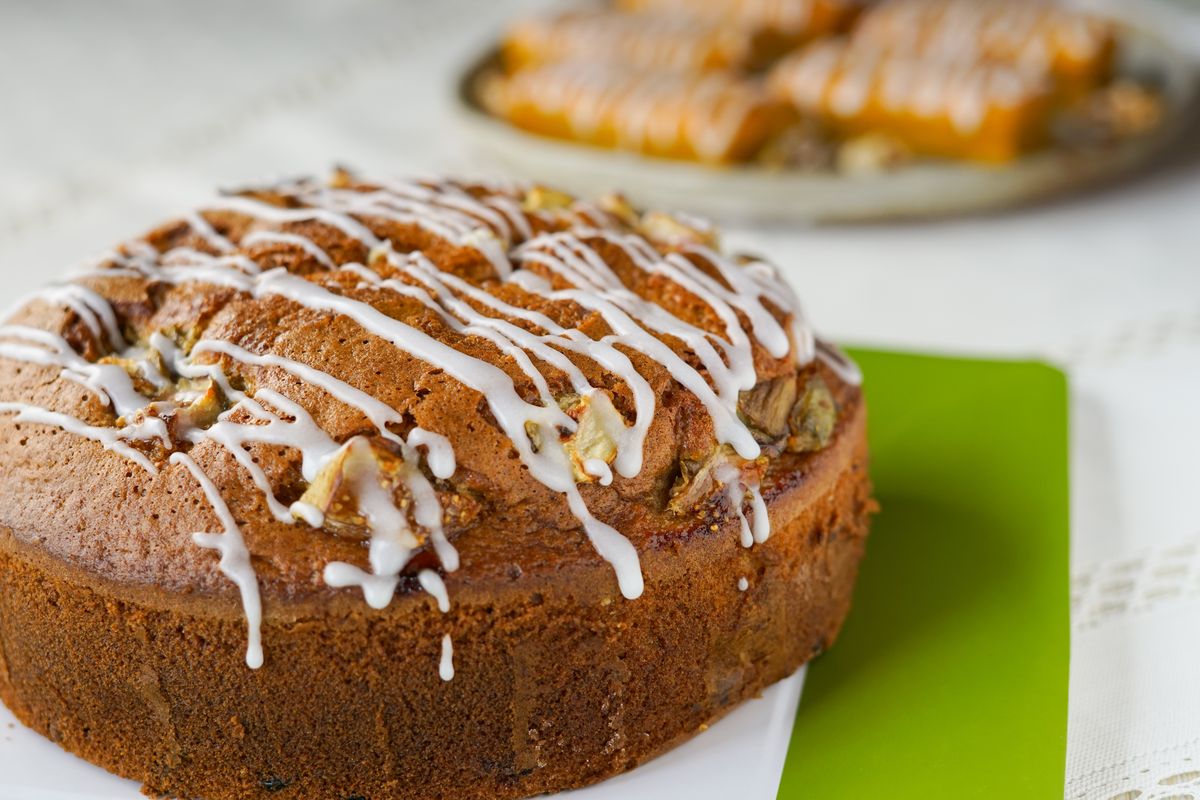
x=391 y=489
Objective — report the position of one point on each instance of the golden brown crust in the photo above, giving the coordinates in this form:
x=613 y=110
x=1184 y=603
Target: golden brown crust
x=560 y=682
x=148 y=519
x=122 y=640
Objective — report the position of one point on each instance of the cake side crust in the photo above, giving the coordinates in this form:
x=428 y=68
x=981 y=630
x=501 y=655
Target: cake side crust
x=554 y=688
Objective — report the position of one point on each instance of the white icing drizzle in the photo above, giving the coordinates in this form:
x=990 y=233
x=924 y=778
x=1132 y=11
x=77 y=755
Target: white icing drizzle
x=550 y=465
x=446 y=218
x=570 y=258
x=93 y=310
x=499 y=210
x=235 y=558
x=446 y=665
x=743 y=584
x=756 y=528
x=760 y=524
x=308 y=513
x=113 y=439
x=439 y=454
x=208 y=233
x=301 y=433
x=392 y=540
x=303 y=242
x=110 y=382
x=491 y=226
x=547 y=347
x=841 y=364
x=598 y=469
x=735 y=494
x=432 y=583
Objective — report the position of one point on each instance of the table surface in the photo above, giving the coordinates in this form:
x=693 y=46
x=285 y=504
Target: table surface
x=119 y=113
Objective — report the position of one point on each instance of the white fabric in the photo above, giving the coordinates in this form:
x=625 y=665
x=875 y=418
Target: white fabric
x=118 y=113
x=1135 y=703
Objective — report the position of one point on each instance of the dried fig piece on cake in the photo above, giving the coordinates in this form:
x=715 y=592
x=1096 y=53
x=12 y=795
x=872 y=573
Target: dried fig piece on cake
x=361 y=467
x=698 y=479
x=543 y=198
x=813 y=418
x=766 y=408
x=187 y=406
x=147 y=371
x=674 y=230
x=619 y=206
x=595 y=439
x=205 y=404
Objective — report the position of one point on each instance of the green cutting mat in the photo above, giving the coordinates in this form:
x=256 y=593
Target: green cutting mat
x=950 y=677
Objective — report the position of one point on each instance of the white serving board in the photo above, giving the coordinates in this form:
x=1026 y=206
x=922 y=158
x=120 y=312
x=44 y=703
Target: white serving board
x=739 y=757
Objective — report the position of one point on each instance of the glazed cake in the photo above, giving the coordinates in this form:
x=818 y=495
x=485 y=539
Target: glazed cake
x=380 y=489
x=669 y=41
x=815 y=85
x=796 y=20
x=710 y=117
x=1070 y=47
x=973 y=109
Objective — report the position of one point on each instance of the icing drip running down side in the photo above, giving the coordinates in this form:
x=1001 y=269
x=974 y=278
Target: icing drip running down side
x=446 y=666
x=235 y=558
x=570 y=322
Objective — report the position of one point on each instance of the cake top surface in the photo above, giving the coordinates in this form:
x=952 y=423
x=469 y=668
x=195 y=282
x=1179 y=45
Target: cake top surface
x=375 y=384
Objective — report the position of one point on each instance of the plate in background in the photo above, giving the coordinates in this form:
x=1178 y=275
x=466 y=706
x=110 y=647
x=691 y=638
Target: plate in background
x=750 y=193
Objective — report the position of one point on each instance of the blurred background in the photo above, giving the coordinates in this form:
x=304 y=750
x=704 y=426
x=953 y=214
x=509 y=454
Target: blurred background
x=116 y=115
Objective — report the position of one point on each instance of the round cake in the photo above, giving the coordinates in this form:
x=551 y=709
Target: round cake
x=358 y=488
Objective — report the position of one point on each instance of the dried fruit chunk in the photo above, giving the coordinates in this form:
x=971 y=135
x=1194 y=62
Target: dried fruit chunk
x=766 y=408
x=813 y=418
x=676 y=229
x=595 y=440
x=534 y=432
x=698 y=479
x=334 y=492
x=189 y=406
x=542 y=198
x=620 y=207
x=145 y=368
x=205 y=403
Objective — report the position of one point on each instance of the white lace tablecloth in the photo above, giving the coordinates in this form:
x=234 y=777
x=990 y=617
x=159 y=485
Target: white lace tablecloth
x=115 y=114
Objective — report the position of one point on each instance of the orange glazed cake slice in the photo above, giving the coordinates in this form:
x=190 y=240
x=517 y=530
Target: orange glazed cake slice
x=710 y=117
x=796 y=20
x=975 y=110
x=650 y=40
x=1076 y=49
x=388 y=489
